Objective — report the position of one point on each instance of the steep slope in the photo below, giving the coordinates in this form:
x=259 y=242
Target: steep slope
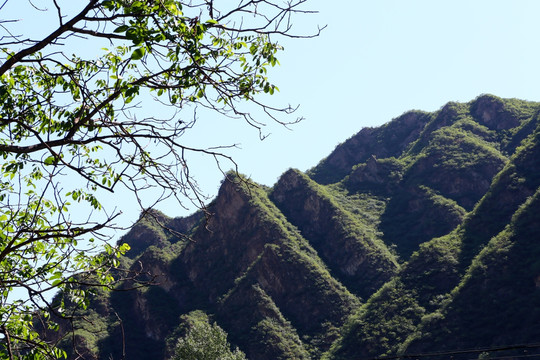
x=419 y=236
x=348 y=245
x=420 y=311
x=307 y=296
x=438 y=265
x=261 y=329
x=444 y=180
x=389 y=140
x=381 y=325
x=497 y=299
x=247 y=256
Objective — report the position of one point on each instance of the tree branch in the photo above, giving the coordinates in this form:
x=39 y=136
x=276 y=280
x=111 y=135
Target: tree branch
x=46 y=41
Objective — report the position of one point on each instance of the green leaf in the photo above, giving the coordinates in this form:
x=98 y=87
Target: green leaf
x=173 y=9
x=121 y=29
x=50 y=160
x=132 y=91
x=138 y=53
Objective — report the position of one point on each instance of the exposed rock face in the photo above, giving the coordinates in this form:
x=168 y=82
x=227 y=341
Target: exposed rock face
x=304 y=291
x=247 y=251
x=492 y=112
x=234 y=237
x=414 y=237
x=351 y=251
x=457 y=165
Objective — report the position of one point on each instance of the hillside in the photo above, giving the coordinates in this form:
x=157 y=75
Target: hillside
x=421 y=236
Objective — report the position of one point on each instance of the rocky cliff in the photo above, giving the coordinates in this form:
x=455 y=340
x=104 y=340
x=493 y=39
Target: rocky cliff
x=417 y=237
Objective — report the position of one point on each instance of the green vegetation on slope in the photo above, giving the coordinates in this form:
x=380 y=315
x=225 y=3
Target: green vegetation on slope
x=380 y=325
x=496 y=302
x=424 y=241
x=348 y=245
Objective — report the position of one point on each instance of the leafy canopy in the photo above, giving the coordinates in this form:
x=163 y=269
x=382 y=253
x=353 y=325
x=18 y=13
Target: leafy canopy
x=204 y=341
x=71 y=132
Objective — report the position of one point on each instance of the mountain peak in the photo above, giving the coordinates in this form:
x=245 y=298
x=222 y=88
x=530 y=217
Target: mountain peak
x=492 y=112
x=418 y=236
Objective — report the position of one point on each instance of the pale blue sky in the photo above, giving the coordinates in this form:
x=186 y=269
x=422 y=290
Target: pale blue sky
x=374 y=61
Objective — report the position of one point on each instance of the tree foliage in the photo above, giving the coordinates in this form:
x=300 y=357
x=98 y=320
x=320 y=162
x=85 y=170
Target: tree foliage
x=73 y=130
x=204 y=341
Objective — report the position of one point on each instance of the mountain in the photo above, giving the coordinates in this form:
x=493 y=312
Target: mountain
x=421 y=236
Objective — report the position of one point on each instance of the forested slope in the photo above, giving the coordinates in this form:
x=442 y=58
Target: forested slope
x=417 y=237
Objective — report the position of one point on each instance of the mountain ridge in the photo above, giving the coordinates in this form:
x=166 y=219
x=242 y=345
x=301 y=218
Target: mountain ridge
x=384 y=248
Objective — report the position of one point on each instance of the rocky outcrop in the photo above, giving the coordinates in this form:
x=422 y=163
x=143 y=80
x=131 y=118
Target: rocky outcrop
x=415 y=236
x=351 y=249
x=458 y=165
x=302 y=290
x=491 y=111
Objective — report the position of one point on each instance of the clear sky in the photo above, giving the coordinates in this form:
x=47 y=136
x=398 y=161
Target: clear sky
x=374 y=61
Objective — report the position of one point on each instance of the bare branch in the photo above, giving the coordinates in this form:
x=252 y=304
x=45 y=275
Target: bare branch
x=98 y=34
x=46 y=41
